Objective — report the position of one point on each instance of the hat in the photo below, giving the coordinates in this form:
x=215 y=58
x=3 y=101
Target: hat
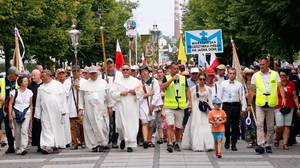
x=185 y=73
x=210 y=71
x=254 y=67
x=133 y=67
x=92 y=69
x=60 y=70
x=13 y=70
x=109 y=59
x=23 y=74
x=221 y=66
x=144 y=67
x=74 y=68
x=194 y=70
x=248 y=71
x=216 y=100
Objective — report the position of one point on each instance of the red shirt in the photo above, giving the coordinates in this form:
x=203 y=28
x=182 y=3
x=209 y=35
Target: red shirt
x=288 y=88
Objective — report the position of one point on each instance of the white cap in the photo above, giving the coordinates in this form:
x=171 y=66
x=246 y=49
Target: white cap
x=133 y=67
x=194 y=70
x=221 y=66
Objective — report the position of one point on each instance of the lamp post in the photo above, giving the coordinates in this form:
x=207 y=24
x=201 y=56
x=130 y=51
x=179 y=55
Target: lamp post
x=75 y=38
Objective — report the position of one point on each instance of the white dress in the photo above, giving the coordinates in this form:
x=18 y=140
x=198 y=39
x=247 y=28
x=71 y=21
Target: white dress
x=197 y=135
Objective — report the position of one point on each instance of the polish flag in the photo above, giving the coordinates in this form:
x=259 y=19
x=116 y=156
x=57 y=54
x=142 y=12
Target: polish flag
x=213 y=60
x=143 y=59
x=119 y=57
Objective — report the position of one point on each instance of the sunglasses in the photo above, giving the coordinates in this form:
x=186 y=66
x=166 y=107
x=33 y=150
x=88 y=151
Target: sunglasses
x=202 y=79
x=125 y=69
x=84 y=72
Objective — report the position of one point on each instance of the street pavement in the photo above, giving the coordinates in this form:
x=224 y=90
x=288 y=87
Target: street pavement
x=157 y=157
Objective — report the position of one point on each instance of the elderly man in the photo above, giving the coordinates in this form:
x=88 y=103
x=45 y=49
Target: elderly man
x=127 y=91
x=7 y=85
x=96 y=103
x=221 y=73
x=36 y=82
x=194 y=80
x=73 y=84
x=211 y=83
x=50 y=108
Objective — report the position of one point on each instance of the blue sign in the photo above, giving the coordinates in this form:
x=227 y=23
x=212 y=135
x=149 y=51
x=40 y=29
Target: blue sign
x=203 y=41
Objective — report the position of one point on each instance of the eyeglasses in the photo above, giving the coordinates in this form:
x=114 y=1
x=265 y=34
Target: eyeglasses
x=202 y=79
x=125 y=69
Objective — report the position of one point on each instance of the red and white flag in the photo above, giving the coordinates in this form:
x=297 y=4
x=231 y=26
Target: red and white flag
x=119 y=57
x=143 y=59
x=213 y=60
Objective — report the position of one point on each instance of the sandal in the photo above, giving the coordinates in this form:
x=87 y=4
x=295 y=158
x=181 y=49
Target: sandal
x=3 y=144
x=145 y=144
x=46 y=151
x=160 y=141
x=285 y=147
x=150 y=144
x=276 y=142
x=55 y=150
x=249 y=145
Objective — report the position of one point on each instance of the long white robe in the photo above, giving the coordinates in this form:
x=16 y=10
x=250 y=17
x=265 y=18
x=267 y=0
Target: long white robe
x=156 y=101
x=95 y=99
x=50 y=105
x=127 y=109
x=197 y=134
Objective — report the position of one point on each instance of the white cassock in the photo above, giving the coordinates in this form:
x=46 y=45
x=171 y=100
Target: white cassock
x=156 y=101
x=127 y=109
x=50 y=105
x=95 y=99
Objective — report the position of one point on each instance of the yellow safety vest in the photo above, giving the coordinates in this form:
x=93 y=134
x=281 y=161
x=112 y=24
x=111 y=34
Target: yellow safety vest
x=261 y=89
x=3 y=89
x=171 y=94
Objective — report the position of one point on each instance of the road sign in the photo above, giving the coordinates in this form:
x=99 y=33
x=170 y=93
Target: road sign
x=203 y=41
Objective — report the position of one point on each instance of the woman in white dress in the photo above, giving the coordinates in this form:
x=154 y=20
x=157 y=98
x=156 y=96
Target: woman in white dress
x=197 y=134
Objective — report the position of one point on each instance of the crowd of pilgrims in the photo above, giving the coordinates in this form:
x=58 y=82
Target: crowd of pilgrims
x=78 y=108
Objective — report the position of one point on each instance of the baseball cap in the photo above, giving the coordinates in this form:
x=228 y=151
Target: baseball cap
x=92 y=69
x=216 y=100
x=74 y=68
x=194 y=70
x=221 y=66
x=59 y=70
x=210 y=71
x=13 y=70
x=109 y=59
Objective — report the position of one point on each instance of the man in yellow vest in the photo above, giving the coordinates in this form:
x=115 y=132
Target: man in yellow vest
x=176 y=93
x=266 y=83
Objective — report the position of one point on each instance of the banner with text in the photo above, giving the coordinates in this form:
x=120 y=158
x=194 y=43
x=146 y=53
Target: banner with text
x=203 y=41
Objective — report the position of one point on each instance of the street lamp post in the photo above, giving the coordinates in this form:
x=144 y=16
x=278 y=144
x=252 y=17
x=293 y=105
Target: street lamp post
x=75 y=38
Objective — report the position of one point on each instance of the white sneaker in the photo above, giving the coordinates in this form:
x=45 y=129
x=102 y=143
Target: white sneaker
x=19 y=152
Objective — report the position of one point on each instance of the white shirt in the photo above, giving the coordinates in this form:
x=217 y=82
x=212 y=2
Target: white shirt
x=232 y=93
x=214 y=89
x=22 y=100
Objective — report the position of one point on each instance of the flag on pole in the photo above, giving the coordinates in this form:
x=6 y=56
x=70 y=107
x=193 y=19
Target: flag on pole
x=213 y=60
x=202 y=60
x=143 y=59
x=170 y=48
x=119 y=57
x=236 y=63
x=17 y=60
x=181 y=53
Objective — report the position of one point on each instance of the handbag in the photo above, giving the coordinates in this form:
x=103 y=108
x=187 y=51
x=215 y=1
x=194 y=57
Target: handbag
x=203 y=106
x=285 y=110
x=20 y=115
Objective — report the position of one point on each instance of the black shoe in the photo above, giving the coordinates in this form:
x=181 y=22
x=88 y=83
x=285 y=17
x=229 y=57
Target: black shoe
x=114 y=145
x=170 y=148
x=268 y=149
x=101 y=149
x=122 y=144
x=74 y=147
x=83 y=145
x=260 y=150
x=39 y=150
x=24 y=152
x=233 y=148
x=10 y=150
x=129 y=149
x=68 y=146
x=177 y=148
x=95 y=149
x=145 y=145
x=226 y=145
x=3 y=144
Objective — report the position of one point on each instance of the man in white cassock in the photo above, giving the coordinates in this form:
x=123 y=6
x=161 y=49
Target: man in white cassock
x=95 y=101
x=127 y=91
x=50 y=108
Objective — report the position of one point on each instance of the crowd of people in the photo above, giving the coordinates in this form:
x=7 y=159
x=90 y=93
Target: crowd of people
x=189 y=108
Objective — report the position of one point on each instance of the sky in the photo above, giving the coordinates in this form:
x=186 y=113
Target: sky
x=159 y=11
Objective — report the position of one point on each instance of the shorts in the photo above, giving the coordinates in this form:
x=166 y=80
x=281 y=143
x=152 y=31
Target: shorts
x=283 y=119
x=174 y=117
x=151 y=123
x=218 y=135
